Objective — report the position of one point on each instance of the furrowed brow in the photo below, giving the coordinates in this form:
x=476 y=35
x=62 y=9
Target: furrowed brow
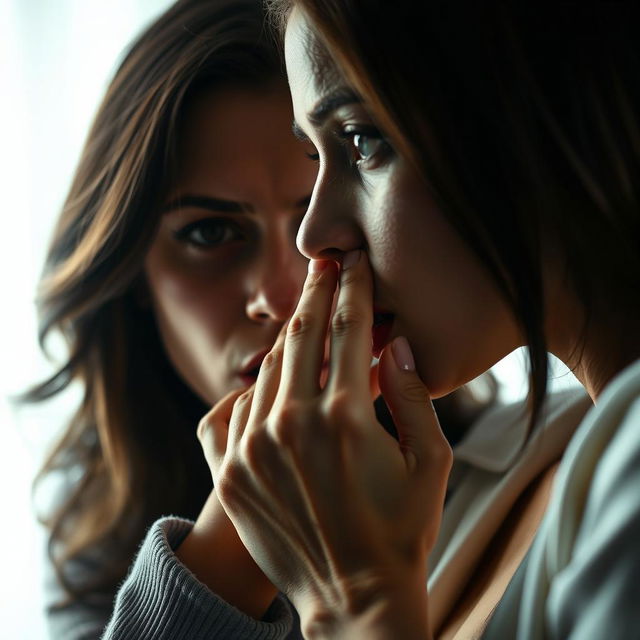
x=216 y=205
x=327 y=105
x=324 y=108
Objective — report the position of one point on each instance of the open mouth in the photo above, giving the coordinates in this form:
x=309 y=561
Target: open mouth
x=250 y=371
x=380 y=331
x=252 y=374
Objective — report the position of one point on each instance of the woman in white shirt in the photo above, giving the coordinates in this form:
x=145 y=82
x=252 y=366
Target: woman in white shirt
x=478 y=186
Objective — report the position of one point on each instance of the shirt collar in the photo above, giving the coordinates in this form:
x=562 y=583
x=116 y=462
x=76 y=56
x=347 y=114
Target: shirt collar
x=496 y=440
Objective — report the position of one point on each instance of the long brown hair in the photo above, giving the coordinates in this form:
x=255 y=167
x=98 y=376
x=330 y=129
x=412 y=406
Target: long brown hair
x=524 y=119
x=131 y=445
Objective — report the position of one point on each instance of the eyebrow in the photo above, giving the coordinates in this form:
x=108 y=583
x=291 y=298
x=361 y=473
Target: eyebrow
x=206 y=202
x=218 y=205
x=325 y=107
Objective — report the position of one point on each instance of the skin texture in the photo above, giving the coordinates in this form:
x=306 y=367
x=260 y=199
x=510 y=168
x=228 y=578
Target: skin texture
x=221 y=292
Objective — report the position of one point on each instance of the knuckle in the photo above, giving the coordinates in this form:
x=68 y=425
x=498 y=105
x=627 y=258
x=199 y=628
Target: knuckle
x=338 y=405
x=317 y=280
x=346 y=320
x=228 y=481
x=340 y=414
x=251 y=447
x=442 y=455
x=301 y=324
x=415 y=392
x=204 y=426
x=285 y=427
x=244 y=398
x=351 y=277
x=439 y=456
x=271 y=360
x=240 y=405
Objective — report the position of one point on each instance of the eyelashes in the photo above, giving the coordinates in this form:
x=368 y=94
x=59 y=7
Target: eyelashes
x=366 y=147
x=208 y=233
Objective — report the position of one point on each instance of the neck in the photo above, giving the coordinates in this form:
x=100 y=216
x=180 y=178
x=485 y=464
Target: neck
x=600 y=353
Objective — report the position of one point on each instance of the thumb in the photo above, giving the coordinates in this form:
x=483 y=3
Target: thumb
x=419 y=435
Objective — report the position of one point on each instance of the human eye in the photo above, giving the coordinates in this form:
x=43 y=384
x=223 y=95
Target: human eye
x=208 y=233
x=369 y=148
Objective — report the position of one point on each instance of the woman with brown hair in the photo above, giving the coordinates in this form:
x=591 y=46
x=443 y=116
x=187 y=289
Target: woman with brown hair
x=172 y=269
x=478 y=185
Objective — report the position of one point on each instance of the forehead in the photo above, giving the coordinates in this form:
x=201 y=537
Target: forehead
x=310 y=68
x=235 y=142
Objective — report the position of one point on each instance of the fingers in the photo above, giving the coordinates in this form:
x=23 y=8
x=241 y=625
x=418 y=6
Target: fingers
x=296 y=363
x=427 y=454
x=304 y=347
x=268 y=382
x=351 y=328
x=420 y=437
x=213 y=431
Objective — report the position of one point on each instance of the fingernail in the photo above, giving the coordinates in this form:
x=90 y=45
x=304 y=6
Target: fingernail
x=315 y=266
x=350 y=259
x=402 y=354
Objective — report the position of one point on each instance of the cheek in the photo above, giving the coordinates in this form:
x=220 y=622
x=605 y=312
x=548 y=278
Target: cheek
x=189 y=298
x=446 y=302
x=401 y=240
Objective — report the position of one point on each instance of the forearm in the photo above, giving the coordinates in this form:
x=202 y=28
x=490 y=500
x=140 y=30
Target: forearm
x=215 y=554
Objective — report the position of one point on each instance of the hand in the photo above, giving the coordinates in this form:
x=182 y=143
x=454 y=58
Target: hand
x=337 y=513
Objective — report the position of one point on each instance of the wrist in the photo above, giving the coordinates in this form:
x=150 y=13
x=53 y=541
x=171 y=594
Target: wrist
x=383 y=612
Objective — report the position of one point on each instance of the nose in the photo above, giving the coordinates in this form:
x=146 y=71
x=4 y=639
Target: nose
x=276 y=284
x=330 y=227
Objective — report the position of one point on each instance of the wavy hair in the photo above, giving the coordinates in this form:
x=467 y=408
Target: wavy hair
x=131 y=446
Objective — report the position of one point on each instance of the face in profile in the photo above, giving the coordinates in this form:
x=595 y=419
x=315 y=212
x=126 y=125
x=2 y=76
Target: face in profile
x=428 y=285
x=223 y=271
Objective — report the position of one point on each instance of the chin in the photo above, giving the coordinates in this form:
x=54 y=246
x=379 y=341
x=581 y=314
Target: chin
x=435 y=383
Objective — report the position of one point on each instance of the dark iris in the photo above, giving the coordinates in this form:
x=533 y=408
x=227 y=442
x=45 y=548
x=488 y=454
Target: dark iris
x=208 y=232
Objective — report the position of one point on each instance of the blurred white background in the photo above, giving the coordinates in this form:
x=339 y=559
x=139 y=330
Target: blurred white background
x=56 y=57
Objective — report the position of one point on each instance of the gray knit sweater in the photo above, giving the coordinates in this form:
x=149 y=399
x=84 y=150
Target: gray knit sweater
x=162 y=600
